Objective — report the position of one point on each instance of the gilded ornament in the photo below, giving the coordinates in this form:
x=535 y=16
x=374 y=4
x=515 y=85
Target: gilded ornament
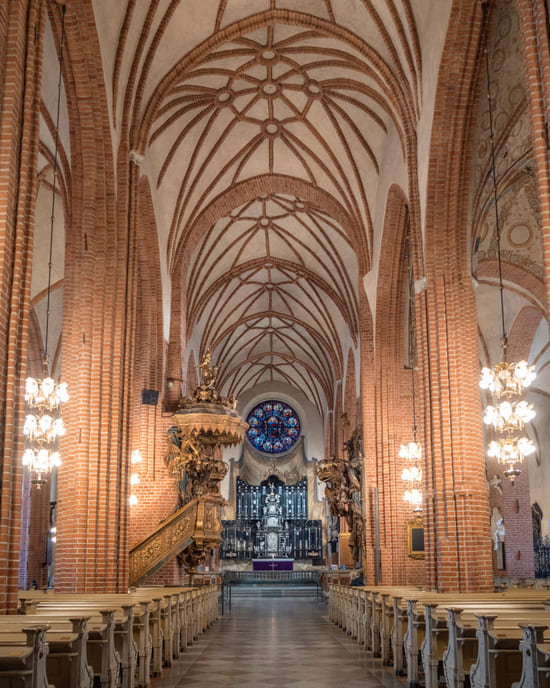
x=342 y=478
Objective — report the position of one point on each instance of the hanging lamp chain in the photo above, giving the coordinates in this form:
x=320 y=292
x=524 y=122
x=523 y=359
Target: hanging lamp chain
x=45 y=355
x=504 y=339
x=412 y=315
x=43 y=425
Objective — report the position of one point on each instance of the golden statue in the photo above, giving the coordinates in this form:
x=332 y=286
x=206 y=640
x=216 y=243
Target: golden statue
x=342 y=478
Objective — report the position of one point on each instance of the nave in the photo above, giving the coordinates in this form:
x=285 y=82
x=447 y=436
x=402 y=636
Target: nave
x=276 y=641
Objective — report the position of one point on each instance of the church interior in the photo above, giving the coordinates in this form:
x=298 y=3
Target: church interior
x=274 y=311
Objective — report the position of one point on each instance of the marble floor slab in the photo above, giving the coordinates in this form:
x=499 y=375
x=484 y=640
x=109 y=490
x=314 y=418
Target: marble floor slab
x=280 y=641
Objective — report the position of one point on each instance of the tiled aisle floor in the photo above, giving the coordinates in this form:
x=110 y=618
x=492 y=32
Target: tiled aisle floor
x=264 y=642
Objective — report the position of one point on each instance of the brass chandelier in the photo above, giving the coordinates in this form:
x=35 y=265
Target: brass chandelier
x=506 y=381
x=411 y=452
x=43 y=425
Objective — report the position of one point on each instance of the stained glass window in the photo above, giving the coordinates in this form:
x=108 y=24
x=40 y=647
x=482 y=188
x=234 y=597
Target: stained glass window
x=274 y=427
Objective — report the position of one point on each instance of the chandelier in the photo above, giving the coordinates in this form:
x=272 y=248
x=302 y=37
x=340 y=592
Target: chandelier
x=506 y=381
x=411 y=452
x=43 y=425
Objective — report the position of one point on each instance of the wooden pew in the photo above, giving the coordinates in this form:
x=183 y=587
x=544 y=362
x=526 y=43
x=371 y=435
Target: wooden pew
x=66 y=663
x=161 y=620
x=103 y=655
x=427 y=629
x=462 y=643
x=171 y=622
x=24 y=665
x=376 y=616
x=451 y=634
x=399 y=629
x=535 y=671
x=500 y=659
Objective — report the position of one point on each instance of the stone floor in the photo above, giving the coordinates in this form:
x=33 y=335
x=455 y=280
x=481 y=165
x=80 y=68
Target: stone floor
x=276 y=641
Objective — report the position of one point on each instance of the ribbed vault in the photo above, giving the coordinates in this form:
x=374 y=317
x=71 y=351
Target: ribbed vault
x=272 y=289
x=228 y=95
x=298 y=97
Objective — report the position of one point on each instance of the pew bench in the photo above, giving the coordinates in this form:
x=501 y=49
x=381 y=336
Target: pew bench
x=536 y=658
x=501 y=659
x=103 y=643
x=391 y=622
x=150 y=626
x=452 y=634
x=165 y=621
x=23 y=665
x=428 y=631
x=66 y=662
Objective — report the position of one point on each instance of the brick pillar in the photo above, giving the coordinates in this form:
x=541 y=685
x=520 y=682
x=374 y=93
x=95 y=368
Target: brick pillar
x=368 y=418
x=456 y=506
x=174 y=350
x=456 y=509
x=394 y=402
x=21 y=35
x=98 y=332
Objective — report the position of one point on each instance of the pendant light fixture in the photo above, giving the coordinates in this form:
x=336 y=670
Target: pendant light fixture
x=411 y=452
x=506 y=381
x=43 y=425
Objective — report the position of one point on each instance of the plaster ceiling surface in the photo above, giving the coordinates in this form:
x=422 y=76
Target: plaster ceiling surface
x=234 y=94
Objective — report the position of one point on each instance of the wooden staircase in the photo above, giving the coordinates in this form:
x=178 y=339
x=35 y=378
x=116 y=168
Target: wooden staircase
x=198 y=523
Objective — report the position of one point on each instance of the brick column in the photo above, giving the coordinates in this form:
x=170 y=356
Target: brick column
x=21 y=35
x=394 y=401
x=456 y=507
x=98 y=332
x=368 y=418
x=456 y=504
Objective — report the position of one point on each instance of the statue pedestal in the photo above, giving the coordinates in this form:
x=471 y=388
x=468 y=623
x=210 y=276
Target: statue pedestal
x=272 y=564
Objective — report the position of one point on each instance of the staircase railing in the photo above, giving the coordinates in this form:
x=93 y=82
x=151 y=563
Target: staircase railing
x=199 y=522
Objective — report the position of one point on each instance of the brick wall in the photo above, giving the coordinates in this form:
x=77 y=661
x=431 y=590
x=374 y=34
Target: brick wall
x=535 y=43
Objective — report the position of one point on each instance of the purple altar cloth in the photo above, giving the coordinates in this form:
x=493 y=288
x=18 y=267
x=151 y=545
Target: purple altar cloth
x=273 y=564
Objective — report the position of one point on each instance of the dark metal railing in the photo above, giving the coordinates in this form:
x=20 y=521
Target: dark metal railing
x=272 y=576
x=304 y=580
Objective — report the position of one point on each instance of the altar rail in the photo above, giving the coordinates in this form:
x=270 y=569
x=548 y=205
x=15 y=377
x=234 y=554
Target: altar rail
x=302 y=577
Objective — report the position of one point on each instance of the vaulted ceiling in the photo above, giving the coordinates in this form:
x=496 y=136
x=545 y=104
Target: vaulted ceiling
x=322 y=96
x=270 y=132
x=272 y=288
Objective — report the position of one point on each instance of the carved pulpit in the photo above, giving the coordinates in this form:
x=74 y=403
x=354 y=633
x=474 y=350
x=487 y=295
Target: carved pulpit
x=203 y=424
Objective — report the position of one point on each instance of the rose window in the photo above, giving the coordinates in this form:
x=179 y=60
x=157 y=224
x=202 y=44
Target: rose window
x=274 y=427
